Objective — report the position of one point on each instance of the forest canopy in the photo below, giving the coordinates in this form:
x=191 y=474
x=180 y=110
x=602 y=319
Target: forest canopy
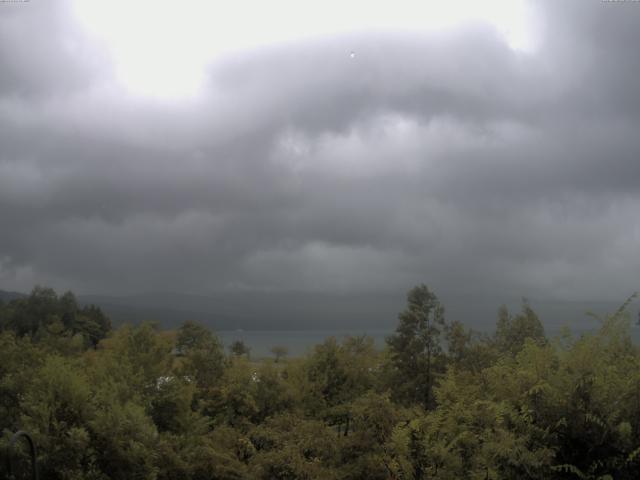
x=439 y=401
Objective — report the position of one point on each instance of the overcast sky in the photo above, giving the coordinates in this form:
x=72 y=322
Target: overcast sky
x=175 y=147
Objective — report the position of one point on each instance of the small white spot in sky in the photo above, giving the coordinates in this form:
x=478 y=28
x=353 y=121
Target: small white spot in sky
x=352 y=55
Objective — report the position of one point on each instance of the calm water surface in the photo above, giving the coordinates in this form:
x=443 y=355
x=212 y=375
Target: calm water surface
x=299 y=342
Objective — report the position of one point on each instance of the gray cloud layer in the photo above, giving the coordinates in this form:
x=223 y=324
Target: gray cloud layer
x=445 y=158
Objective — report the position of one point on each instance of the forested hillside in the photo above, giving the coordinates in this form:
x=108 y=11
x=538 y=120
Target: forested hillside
x=438 y=402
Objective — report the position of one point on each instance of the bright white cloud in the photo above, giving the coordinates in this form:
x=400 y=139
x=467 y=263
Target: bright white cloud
x=161 y=48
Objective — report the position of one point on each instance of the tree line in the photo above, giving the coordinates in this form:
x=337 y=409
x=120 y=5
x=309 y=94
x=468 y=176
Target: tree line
x=439 y=401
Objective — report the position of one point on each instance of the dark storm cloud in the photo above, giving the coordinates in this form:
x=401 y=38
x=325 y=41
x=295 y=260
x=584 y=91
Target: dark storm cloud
x=446 y=158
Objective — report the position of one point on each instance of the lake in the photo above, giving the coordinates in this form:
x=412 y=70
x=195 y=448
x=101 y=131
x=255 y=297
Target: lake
x=298 y=342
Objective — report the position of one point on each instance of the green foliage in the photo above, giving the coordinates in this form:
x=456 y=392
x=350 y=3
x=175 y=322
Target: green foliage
x=513 y=331
x=273 y=394
x=203 y=360
x=19 y=359
x=440 y=402
x=289 y=447
x=279 y=352
x=239 y=348
x=57 y=410
x=44 y=315
x=416 y=351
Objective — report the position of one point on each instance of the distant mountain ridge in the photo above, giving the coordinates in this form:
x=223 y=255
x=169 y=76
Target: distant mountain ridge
x=6 y=296
x=321 y=311
x=253 y=310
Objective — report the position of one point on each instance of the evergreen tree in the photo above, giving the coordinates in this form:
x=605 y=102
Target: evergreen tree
x=415 y=349
x=512 y=331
